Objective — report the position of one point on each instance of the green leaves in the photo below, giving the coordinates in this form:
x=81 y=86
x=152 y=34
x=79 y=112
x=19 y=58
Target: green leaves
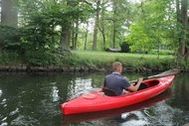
x=37 y=37
x=154 y=28
x=10 y=38
x=45 y=15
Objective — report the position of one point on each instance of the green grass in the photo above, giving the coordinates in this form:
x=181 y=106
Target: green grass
x=135 y=61
x=95 y=60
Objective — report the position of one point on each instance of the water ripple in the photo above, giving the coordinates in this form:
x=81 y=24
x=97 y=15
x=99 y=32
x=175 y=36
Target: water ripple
x=25 y=121
x=1 y=92
x=14 y=112
x=3 y=102
x=4 y=124
x=135 y=118
x=4 y=119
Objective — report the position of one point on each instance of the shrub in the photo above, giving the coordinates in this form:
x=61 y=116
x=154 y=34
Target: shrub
x=125 y=47
x=10 y=38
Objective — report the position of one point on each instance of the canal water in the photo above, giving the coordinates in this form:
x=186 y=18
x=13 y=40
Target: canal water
x=34 y=99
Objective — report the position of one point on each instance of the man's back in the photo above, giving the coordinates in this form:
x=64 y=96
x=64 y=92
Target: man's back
x=116 y=83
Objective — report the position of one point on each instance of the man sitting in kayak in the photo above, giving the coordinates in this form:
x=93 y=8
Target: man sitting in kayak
x=115 y=84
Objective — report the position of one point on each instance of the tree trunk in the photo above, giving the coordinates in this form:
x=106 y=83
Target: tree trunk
x=65 y=38
x=104 y=40
x=73 y=37
x=102 y=29
x=96 y=25
x=114 y=23
x=114 y=34
x=76 y=34
x=178 y=11
x=75 y=29
x=9 y=13
x=86 y=36
x=184 y=22
x=66 y=30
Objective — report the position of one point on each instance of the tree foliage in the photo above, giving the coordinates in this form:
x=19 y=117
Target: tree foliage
x=46 y=28
x=155 y=28
x=43 y=24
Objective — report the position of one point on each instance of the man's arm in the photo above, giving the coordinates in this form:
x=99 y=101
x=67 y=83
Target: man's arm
x=135 y=87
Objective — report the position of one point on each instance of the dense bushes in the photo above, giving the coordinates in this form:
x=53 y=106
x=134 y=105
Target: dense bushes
x=10 y=38
x=40 y=38
x=27 y=44
x=10 y=58
x=125 y=47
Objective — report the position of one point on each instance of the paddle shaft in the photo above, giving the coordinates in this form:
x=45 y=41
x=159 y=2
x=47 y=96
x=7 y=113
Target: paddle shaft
x=164 y=74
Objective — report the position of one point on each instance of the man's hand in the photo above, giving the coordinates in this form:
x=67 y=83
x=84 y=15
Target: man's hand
x=135 y=87
x=140 y=79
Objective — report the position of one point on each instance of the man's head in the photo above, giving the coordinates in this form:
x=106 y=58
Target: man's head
x=117 y=67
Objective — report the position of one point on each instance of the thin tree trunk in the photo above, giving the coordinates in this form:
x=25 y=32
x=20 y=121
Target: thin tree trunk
x=102 y=29
x=76 y=34
x=9 y=13
x=73 y=37
x=86 y=36
x=104 y=40
x=114 y=23
x=178 y=11
x=114 y=34
x=96 y=25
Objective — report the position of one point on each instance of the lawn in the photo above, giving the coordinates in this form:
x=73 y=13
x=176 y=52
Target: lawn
x=136 y=61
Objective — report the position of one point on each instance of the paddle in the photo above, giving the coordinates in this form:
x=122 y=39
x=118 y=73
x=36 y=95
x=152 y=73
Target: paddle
x=164 y=74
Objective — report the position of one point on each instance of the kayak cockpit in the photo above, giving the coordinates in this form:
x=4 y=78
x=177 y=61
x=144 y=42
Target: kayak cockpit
x=148 y=84
x=151 y=83
x=144 y=85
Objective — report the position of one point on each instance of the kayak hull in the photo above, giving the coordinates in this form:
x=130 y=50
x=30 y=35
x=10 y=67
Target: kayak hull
x=113 y=113
x=97 y=101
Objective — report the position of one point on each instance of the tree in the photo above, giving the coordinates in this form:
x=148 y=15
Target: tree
x=183 y=20
x=75 y=31
x=66 y=27
x=101 y=25
x=9 y=13
x=86 y=36
x=96 y=24
x=154 y=27
x=45 y=16
x=120 y=20
x=115 y=12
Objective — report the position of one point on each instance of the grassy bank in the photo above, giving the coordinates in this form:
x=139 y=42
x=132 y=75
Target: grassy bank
x=90 y=60
x=136 y=62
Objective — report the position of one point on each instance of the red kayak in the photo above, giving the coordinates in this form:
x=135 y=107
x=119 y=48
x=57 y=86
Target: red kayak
x=76 y=118
x=97 y=101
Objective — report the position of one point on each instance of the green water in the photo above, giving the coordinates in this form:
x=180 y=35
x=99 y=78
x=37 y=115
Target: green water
x=33 y=100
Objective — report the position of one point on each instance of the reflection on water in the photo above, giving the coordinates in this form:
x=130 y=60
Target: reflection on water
x=1 y=92
x=33 y=100
x=54 y=94
x=79 y=86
